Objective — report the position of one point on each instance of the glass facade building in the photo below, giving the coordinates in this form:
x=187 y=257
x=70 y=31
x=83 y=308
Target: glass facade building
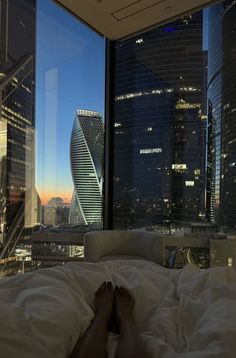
x=36 y=120
x=160 y=121
x=221 y=174
x=172 y=149
x=18 y=197
x=86 y=153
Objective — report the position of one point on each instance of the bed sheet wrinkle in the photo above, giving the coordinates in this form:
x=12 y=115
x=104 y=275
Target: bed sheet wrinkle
x=15 y=337
x=211 y=325
x=161 y=325
x=88 y=279
x=8 y=296
x=194 y=283
x=44 y=314
x=23 y=348
x=146 y=287
x=181 y=313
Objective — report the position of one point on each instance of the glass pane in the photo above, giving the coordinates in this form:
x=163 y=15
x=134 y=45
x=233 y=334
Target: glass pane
x=175 y=131
x=51 y=134
x=17 y=125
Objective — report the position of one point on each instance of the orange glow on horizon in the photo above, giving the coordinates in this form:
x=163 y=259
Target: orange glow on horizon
x=45 y=197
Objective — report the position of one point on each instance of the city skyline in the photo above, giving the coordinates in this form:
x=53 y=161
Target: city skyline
x=18 y=209
x=174 y=139
x=58 y=182
x=65 y=82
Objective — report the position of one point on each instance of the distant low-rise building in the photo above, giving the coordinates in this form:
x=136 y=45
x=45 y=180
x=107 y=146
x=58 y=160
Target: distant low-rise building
x=223 y=252
x=56 y=212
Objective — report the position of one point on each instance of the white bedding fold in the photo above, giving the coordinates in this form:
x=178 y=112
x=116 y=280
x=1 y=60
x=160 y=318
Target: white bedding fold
x=180 y=313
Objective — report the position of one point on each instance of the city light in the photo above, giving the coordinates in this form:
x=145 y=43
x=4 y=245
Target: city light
x=150 y=150
x=185 y=105
x=179 y=166
x=173 y=142
x=189 y=183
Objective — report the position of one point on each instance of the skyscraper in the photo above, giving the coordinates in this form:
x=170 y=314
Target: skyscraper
x=221 y=174
x=159 y=163
x=18 y=198
x=86 y=154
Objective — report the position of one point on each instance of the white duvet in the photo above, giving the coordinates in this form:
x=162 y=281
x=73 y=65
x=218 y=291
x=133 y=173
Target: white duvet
x=180 y=313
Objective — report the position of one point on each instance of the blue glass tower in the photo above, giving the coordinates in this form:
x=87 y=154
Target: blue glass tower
x=221 y=173
x=160 y=119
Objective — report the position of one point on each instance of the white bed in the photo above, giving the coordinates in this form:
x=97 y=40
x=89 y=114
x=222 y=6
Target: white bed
x=180 y=313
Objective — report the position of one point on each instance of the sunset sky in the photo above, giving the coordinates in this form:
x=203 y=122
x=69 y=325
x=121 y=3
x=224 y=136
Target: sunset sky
x=69 y=76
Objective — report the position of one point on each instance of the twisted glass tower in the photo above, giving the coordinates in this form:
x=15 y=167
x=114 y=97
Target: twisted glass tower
x=86 y=156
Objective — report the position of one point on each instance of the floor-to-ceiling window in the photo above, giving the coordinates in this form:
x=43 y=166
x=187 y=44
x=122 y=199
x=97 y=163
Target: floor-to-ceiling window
x=174 y=135
x=174 y=131
x=51 y=134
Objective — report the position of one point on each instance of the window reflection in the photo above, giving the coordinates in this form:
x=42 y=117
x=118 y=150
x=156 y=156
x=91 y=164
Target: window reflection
x=36 y=184
x=18 y=212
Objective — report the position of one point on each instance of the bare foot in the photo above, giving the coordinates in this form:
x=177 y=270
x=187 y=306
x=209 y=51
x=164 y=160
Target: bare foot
x=124 y=305
x=104 y=302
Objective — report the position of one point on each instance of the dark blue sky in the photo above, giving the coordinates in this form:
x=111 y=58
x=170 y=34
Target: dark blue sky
x=69 y=75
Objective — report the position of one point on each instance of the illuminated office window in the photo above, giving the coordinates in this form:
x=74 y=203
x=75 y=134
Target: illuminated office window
x=176 y=91
x=51 y=134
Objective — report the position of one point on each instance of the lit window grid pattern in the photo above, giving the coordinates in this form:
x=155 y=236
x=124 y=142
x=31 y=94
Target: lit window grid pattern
x=132 y=117
x=221 y=189
x=214 y=95
x=228 y=178
x=17 y=98
x=155 y=92
x=87 y=185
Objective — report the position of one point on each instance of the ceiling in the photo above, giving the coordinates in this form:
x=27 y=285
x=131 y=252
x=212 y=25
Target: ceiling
x=118 y=19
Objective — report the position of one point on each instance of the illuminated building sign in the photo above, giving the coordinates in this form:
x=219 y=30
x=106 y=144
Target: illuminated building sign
x=179 y=166
x=150 y=150
x=86 y=113
x=169 y=29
